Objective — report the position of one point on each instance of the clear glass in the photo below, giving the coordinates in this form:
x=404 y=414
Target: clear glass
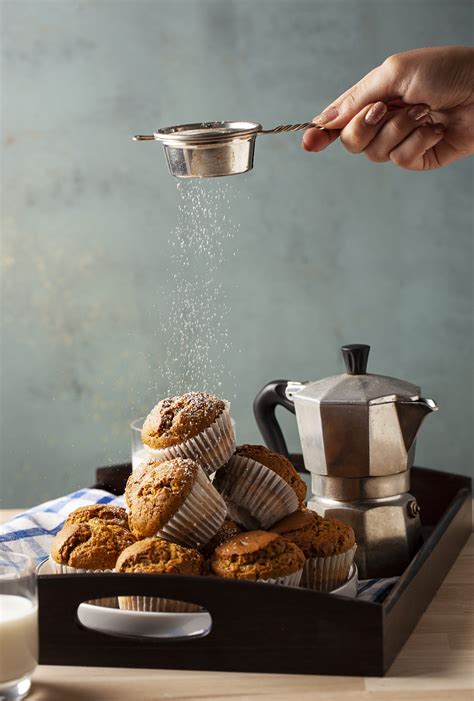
x=140 y=452
x=18 y=625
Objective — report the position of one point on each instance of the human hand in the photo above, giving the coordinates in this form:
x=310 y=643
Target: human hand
x=416 y=110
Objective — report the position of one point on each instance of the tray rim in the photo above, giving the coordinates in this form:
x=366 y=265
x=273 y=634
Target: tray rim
x=423 y=553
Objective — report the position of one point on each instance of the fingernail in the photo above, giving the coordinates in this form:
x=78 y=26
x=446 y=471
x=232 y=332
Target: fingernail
x=327 y=115
x=418 y=111
x=439 y=128
x=375 y=114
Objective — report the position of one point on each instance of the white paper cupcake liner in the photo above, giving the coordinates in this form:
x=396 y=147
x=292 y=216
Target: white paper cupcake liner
x=66 y=569
x=57 y=568
x=256 y=496
x=211 y=448
x=156 y=603
x=291 y=580
x=108 y=602
x=199 y=517
x=327 y=573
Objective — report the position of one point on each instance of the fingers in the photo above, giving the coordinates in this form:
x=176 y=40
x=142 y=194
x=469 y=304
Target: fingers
x=377 y=131
x=382 y=84
x=397 y=127
x=360 y=131
x=417 y=151
x=318 y=139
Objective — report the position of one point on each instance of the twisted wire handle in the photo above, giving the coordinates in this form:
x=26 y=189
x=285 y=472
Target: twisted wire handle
x=290 y=127
x=276 y=130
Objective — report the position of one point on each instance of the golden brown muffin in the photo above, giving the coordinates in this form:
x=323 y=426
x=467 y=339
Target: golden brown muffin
x=104 y=512
x=333 y=538
x=176 y=419
x=228 y=530
x=316 y=536
x=155 y=492
x=160 y=556
x=274 y=461
x=94 y=545
x=299 y=527
x=256 y=555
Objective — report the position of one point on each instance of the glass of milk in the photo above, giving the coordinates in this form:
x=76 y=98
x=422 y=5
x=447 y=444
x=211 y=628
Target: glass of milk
x=18 y=624
x=140 y=452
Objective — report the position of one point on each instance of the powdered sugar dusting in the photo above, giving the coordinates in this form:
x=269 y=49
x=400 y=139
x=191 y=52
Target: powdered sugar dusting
x=195 y=405
x=196 y=327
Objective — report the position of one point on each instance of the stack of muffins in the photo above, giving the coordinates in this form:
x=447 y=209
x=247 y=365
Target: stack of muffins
x=200 y=505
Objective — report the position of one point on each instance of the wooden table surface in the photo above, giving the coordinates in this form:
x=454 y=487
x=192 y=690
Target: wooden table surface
x=436 y=663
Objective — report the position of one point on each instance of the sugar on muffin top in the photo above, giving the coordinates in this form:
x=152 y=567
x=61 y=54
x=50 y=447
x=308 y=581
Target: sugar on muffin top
x=177 y=419
x=156 y=491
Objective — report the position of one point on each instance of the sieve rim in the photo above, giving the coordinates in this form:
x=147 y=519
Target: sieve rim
x=206 y=132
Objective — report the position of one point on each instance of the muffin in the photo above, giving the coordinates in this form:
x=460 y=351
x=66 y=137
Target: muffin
x=195 y=425
x=259 y=486
x=94 y=545
x=104 y=512
x=175 y=501
x=158 y=556
x=327 y=543
x=299 y=527
x=259 y=556
x=228 y=529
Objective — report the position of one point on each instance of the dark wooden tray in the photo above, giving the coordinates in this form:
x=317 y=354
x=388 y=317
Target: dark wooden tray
x=265 y=628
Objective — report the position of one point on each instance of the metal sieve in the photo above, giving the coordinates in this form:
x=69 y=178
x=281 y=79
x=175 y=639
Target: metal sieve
x=213 y=149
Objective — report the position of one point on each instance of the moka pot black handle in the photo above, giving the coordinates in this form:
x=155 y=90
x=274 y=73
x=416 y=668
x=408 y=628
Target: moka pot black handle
x=265 y=403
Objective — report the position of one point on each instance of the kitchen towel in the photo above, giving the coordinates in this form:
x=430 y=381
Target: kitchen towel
x=32 y=531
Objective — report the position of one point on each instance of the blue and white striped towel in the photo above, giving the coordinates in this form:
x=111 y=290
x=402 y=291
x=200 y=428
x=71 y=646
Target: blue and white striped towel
x=31 y=533
x=375 y=589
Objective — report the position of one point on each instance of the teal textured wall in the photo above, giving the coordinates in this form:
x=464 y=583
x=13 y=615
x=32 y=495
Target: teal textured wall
x=330 y=248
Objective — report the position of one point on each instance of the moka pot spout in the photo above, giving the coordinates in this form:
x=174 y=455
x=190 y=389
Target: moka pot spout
x=411 y=416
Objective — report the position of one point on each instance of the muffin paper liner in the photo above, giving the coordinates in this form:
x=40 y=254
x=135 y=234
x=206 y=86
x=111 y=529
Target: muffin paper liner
x=327 y=573
x=199 y=517
x=256 y=496
x=109 y=602
x=66 y=569
x=152 y=603
x=290 y=580
x=156 y=603
x=211 y=448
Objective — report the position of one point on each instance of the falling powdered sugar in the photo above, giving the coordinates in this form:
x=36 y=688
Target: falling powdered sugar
x=196 y=326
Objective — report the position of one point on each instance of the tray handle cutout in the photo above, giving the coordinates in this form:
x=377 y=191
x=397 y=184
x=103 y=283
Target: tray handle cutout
x=142 y=617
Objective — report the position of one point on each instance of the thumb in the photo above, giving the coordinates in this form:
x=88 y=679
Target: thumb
x=380 y=85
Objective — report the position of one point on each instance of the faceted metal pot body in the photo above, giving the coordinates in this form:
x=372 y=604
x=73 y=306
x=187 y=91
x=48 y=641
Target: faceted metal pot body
x=364 y=436
x=358 y=434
